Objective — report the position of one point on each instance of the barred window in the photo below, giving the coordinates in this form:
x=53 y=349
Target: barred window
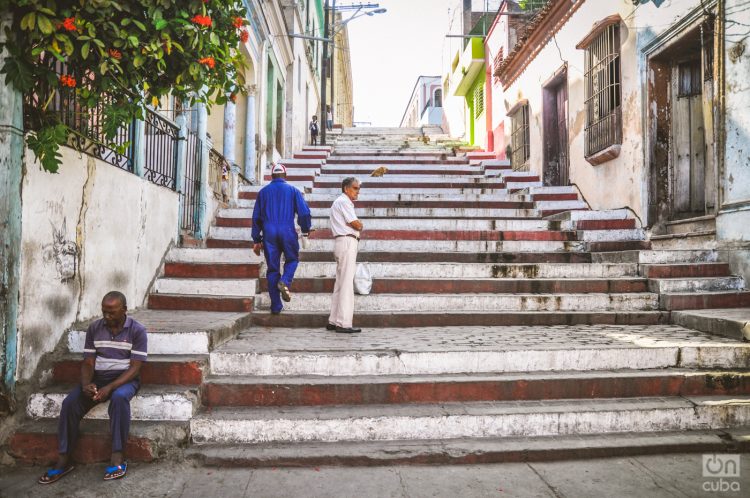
x=690 y=81
x=519 y=137
x=603 y=91
x=478 y=101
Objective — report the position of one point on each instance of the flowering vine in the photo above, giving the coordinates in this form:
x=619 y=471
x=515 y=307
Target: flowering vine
x=119 y=56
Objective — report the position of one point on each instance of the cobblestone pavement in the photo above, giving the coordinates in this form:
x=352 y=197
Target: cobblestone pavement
x=265 y=340
x=659 y=476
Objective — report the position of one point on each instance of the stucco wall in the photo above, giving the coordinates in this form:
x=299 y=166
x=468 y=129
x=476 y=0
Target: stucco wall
x=621 y=181
x=90 y=229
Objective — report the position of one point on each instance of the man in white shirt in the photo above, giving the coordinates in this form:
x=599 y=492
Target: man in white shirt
x=346 y=228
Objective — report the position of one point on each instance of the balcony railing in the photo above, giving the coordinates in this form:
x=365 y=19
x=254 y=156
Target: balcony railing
x=218 y=175
x=160 y=150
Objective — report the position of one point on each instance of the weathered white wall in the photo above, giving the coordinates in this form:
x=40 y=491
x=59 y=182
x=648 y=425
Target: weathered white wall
x=621 y=181
x=88 y=230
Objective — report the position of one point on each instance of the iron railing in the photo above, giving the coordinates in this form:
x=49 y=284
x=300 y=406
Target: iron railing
x=63 y=105
x=191 y=185
x=218 y=175
x=160 y=150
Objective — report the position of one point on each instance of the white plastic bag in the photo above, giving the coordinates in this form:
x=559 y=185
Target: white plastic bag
x=304 y=241
x=362 y=279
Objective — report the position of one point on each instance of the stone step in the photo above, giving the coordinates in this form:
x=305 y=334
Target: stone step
x=732 y=323
x=700 y=224
x=325 y=148
x=311 y=390
x=392 y=227
x=476 y=302
x=465 y=451
x=152 y=402
x=704 y=300
x=185 y=370
x=466 y=271
x=467 y=420
x=617 y=245
x=378 y=320
x=611 y=235
x=364 y=170
x=466 y=349
x=35 y=442
x=211 y=270
x=217 y=256
x=206 y=287
x=685 y=270
x=422 y=246
x=575 y=216
x=333 y=190
x=200 y=303
x=311 y=155
x=657 y=257
x=427 y=184
x=184 y=333
x=605 y=224
x=406 y=209
x=433 y=196
x=691 y=240
x=695 y=284
x=432 y=285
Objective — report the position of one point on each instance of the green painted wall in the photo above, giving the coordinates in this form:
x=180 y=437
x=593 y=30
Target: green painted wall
x=476 y=127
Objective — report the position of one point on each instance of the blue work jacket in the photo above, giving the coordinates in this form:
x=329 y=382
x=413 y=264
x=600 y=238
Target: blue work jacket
x=277 y=203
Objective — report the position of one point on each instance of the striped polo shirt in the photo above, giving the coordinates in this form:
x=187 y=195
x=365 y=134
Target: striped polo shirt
x=113 y=353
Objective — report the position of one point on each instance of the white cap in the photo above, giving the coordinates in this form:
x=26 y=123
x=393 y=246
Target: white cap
x=278 y=168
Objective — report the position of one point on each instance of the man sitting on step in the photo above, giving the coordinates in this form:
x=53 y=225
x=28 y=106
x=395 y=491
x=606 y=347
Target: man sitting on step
x=114 y=351
x=274 y=233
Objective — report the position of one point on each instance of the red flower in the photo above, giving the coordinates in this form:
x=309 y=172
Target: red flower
x=69 y=24
x=244 y=35
x=207 y=61
x=202 y=20
x=114 y=53
x=68 y=81
x=233 y=97
x=238 y=22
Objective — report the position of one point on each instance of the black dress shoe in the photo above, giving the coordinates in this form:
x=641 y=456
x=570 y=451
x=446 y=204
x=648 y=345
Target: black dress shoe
x=347 y=330
x=330 y=326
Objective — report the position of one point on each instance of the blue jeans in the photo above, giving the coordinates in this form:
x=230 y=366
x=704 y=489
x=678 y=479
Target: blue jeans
x=278 y=240
x=76 y=405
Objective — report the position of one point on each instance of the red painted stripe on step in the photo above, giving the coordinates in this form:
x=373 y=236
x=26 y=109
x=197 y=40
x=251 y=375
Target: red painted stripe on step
x=395 y=171
x=211 y=270
x=248 y=195
x=187 y=373
x=555 y=197
x=40 y=448
x=481 y=235
x=293 y=178
x=601 y=386
x=605 y=224
x=433 y=204
x=409 y=185
x=625 y=245
x=705 y=301
x=234 y=222
x=199 y=303
x=686 y=270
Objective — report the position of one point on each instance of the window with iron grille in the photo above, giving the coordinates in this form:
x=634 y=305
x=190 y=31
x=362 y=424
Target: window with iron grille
x=478 y=101
x=519 y=137
x=603 y=91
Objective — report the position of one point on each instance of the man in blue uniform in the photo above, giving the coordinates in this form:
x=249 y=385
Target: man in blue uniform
x=274 y=233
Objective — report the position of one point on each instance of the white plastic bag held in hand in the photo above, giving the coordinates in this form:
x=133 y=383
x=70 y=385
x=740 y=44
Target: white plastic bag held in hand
x=304 y=240
x=362 y=279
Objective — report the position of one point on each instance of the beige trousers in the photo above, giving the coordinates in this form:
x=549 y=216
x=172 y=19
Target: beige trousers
x=342 y=301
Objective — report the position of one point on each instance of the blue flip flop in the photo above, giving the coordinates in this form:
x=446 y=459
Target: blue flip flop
x=116 y=471
x=54 y=475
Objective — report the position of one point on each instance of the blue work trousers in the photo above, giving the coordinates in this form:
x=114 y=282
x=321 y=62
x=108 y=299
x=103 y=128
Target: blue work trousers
x=76 y=405
x=278 y=240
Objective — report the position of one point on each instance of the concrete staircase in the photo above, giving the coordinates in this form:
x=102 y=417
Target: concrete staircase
x=507 y=322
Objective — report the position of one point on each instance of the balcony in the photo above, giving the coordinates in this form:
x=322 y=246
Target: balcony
x=470 y=65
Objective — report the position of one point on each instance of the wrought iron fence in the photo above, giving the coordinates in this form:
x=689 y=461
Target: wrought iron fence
x=63 y=105
x=218 y=175
x=160 y=150
x=191 y=185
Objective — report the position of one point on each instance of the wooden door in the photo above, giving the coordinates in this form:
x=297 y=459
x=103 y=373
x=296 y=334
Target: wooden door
x=688 y=141
x=556 y=169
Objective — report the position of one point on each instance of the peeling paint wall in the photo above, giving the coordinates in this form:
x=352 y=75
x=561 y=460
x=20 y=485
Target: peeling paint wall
x=90 y=229
x=619 y=182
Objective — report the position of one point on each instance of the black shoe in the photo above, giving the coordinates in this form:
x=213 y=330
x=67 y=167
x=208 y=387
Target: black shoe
x=285 y=294
x=330 y=326
x=347 y=330
x=276 y=312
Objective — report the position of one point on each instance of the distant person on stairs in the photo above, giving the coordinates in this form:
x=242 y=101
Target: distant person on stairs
x=114 y=351
x=346 y=228
x=314 y=131
x=274 y=233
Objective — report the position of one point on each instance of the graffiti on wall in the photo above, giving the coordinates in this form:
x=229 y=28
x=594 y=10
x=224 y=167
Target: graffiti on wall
x=63 y=252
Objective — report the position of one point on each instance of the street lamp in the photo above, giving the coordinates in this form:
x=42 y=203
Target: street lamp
x=323 y=90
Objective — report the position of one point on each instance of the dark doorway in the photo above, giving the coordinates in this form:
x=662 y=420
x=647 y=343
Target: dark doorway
x=555 y=115
x=683 y=177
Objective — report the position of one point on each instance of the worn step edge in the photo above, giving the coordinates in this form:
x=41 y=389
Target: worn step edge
x=463 y=451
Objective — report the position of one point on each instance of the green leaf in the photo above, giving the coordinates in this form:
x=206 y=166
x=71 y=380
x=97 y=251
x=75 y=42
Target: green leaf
x=133 y=40
x=28 y=22
x=125 y=21
x=138 y=61
x=85 y=50
x=45 y=25
x=161 y=24
x=47 y=11
x=140 y=25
